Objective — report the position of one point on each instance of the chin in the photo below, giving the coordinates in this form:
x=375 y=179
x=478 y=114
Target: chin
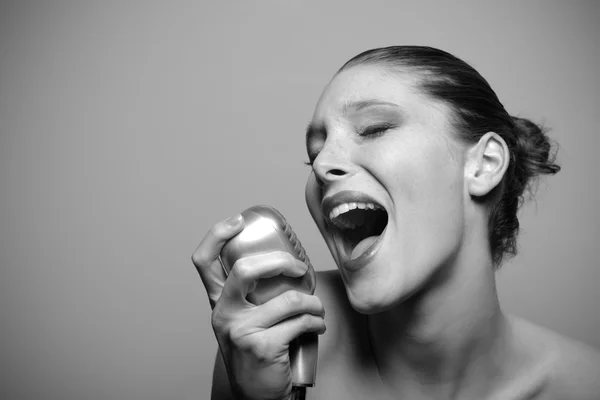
x=369 y=305
x=366 y=307
x=370 y=297
x=382 y=286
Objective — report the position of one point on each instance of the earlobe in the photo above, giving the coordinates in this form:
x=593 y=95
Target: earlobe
x=487 y=161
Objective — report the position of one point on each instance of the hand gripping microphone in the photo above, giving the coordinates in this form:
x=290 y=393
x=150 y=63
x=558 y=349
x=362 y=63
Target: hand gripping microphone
x=267 y=230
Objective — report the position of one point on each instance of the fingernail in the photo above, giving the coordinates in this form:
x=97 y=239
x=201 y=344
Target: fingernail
x=235 y=220
x=303 y=268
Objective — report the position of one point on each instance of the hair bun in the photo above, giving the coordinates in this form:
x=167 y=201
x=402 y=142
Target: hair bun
x=534 y=152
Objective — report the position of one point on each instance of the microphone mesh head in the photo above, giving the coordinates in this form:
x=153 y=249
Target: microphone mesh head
x=300 y=252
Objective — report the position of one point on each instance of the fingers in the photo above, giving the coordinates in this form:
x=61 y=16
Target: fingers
x=291 y=328
x=211 y=245
x=248 y=270
x=205 y=256
x=284 y=306
x=263 y=343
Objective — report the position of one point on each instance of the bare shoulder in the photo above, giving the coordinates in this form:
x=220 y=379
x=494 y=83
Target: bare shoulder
x=572 y=368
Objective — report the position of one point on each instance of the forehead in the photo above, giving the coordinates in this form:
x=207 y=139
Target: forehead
x=365 y=83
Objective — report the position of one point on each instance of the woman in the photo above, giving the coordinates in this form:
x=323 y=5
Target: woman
x=417 y=175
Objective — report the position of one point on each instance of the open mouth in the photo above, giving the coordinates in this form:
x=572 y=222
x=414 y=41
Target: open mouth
x=356 y=226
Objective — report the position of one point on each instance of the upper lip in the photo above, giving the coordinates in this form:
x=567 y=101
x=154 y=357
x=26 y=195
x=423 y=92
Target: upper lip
x=343 y=197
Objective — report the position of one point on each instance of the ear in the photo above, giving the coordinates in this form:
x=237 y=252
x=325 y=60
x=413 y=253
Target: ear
x=486 y=163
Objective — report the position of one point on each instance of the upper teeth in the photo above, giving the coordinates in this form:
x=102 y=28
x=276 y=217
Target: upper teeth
x=344 y=208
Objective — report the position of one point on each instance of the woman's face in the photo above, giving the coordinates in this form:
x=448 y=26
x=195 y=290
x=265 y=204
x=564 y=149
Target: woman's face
x=377 y=143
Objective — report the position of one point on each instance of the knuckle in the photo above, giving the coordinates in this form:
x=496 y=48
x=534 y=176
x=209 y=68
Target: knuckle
x=198 y=258
x=312 y=323
x=293 y=298
x=242 y=269
x=306 y=320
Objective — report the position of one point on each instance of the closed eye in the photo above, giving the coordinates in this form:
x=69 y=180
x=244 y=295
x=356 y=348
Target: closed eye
x=375 y=130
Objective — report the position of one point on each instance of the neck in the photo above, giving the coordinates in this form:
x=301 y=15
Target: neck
x=444 y=336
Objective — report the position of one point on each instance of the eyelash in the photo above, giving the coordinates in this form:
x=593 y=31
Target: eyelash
x=375 y=130
x=370 y=131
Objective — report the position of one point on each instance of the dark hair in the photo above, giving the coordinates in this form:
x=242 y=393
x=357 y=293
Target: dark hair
x=476 y=110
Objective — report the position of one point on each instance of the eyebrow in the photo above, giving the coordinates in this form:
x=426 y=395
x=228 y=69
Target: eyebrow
x=355 y=106
x=348 y=108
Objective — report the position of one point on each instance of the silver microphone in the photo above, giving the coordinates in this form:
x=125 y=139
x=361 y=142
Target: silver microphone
x=267 y=230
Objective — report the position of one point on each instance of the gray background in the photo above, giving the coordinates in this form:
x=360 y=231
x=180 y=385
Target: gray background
x=128 y=129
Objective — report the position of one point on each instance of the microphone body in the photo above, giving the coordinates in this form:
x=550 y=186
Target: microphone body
x=267 y=230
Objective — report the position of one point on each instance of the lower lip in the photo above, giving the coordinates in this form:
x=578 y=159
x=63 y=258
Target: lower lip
x=366 y=257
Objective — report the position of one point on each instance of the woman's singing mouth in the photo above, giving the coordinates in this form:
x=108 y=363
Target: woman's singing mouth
x=356 y=222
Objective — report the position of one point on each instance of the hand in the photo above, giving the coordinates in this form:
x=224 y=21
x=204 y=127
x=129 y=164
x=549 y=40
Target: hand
x=254 y=340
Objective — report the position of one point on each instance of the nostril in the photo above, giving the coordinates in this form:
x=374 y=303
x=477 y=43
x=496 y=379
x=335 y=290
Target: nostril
x=337 y=172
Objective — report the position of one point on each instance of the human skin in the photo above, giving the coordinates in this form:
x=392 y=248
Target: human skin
x=420 y=317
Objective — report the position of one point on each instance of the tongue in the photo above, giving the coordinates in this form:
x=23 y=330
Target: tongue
x=361 y=247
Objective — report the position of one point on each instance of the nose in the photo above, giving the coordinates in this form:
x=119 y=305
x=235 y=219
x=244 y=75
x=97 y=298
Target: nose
x=332 y=163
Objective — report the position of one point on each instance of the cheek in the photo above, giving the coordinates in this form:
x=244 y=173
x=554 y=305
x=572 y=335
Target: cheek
x=427 y=191
x=424 y=174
